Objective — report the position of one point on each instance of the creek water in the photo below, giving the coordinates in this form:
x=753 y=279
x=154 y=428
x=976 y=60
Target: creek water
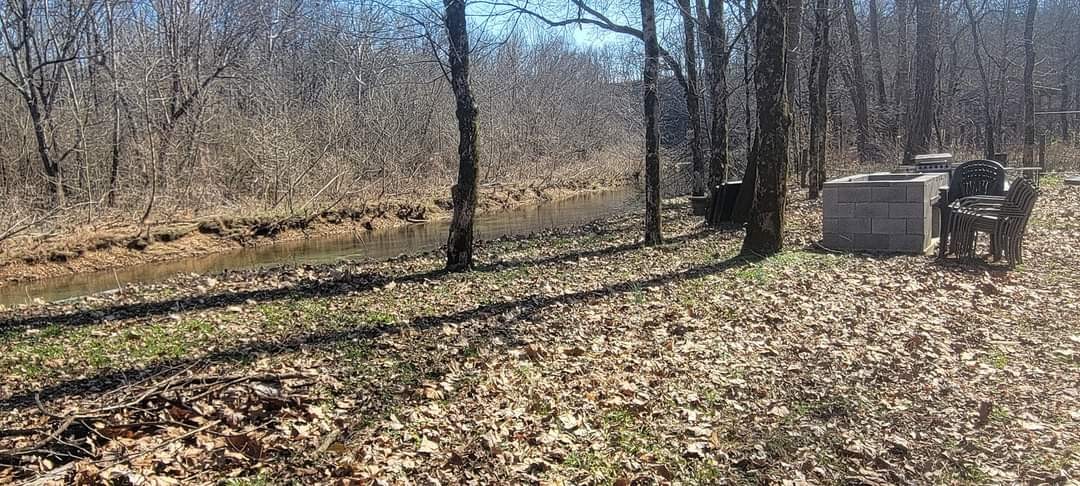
x=372 y=245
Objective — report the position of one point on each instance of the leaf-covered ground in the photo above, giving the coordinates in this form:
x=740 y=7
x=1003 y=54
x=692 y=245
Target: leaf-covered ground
x=572 y=357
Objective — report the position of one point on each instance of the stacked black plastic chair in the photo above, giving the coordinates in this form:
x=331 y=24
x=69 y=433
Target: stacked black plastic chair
x=1004 y=219
x=972 y=178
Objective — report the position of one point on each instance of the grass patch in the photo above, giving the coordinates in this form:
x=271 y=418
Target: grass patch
x=768 y=269
x=997 y=359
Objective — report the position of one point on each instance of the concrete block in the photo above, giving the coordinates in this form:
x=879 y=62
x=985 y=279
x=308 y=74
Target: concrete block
x=909 y=243
x=894 y=193
x=907 y=210
x=889 y=226
x=916 y=193
x=854 y=225
x=917 y=226
x=828 y=199
x=836 y=241
x=853 y=194
x=830 y=225
x=872 y=242
x=872 y=210
x=843 y=210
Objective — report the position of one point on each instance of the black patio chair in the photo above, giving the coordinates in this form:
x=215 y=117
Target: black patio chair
x=1005 y=219
x=972 y=178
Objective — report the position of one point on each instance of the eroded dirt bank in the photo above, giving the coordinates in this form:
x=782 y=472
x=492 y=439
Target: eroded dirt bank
x=117 y=245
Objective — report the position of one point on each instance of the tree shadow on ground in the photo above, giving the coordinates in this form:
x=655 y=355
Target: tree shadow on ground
x=311 y=287
x=521 y=309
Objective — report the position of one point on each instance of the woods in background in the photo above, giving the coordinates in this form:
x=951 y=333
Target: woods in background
x=198 y=106
x=155 y=106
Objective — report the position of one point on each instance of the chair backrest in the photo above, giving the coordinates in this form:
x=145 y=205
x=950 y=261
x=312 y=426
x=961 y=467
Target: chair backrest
x=977 y=178
x=1021 y=199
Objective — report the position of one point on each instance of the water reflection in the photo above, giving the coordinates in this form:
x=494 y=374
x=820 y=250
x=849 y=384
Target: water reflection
x=373 y=245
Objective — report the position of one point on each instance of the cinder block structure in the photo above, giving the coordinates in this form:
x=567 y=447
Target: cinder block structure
x=882 y=212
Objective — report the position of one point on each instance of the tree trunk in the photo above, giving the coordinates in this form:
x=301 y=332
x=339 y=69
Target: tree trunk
x=748 y=46
x=765 y=229
x=902 y=85
x=792 y=36
x=921 y=121
x=1029 y=83
x=987 y=100
x=54 y=181
x=717 y=62
x=693 y=93
x=652 y=133
x=459 y=246
x=819 y=96
x=1003 y=74
x=875 y=56
x=858 y=85
x=1065 y=105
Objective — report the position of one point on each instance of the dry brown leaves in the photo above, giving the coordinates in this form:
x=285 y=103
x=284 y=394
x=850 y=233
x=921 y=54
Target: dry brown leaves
x=578 y=361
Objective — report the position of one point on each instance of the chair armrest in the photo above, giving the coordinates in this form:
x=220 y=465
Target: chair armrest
x=979 y=201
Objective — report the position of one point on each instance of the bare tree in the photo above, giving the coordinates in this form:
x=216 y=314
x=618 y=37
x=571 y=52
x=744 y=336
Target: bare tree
x=902 y=83
x=858 y=84
x=819 y=96
x=1029 y=83
x=717 y=56
x=793 y=35
x=459 y=245
x=875 y=55
x=652 y=135
x=40 y=39
x=984 y=78
x=921 y=121
x=765 y=229
x=693 y=96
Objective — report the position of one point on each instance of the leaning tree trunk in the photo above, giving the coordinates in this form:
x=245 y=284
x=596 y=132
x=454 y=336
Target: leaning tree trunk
x=459 y=246
x=652 y=133
x=858 y=85
x=693 y=103
x=1029 y=83
x=921 y=121
x=765 y=229
x=819 y=96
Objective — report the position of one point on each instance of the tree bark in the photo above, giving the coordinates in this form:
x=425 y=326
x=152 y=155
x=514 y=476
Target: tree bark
x=858 y=84
x=1065 y=105
x=792 y=36
x=987 y=100
x=765 y=229
x=921 y=122
x=693 y=103
x=875 y=56
x=652 y=132
x=819 y=97
x=902 y=85
x=459 y=245
x=717 y=62
x=53 y=174
x=1029 y=83
x=1003 y=73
